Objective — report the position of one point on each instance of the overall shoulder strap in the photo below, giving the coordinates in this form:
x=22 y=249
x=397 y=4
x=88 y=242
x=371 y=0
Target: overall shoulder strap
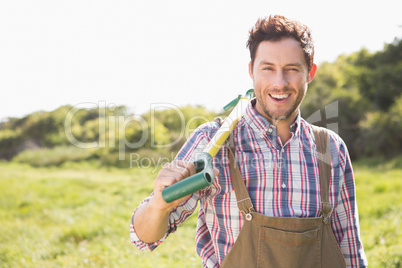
x=324 y=164
x=243 y=199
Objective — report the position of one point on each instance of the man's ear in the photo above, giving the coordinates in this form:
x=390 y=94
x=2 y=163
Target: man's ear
x=250 y=70
x=311 y=74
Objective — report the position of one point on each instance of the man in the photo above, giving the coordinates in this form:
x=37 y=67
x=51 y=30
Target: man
x=276 y=152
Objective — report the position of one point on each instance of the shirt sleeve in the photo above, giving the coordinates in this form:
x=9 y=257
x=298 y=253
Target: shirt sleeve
x=346 y=217
x=194 y=145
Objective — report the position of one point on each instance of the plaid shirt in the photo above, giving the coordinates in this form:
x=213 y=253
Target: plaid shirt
x=282 y=181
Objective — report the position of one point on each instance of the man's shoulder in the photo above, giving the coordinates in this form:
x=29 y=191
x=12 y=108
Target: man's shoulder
x=208 y=128
x=308 y=127
x=204 y=132
x=197 y=141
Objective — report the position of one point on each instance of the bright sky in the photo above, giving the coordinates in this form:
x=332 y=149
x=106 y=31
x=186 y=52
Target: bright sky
x=138 y=53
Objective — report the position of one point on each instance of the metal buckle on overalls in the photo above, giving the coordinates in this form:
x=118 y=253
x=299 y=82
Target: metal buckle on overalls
x=326 y=217
x=248 y=215
x=326 y=207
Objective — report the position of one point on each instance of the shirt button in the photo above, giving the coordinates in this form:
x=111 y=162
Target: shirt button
x=283 y=185
x=269 y=130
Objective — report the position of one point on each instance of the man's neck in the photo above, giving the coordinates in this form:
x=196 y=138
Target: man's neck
x=283 y=127
x=283 y=130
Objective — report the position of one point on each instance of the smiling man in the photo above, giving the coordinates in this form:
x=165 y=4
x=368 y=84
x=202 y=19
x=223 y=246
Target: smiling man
x=284 y=195
x=280 y=74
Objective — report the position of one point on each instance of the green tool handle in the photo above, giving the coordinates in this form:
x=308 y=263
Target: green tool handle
x=203 y=165
x=203 y=178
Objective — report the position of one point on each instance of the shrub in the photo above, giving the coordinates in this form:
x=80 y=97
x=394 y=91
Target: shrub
x=54 y=156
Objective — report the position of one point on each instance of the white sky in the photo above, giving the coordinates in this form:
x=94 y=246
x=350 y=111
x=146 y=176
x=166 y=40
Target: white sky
x=136 y=53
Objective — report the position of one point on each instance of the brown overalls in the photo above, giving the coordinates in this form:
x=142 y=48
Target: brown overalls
x=286 y=242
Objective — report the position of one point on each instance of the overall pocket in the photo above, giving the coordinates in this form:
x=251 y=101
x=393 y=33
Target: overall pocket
x=280 y=248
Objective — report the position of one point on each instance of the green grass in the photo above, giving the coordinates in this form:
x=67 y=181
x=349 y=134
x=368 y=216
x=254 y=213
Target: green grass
x=78 y=215
x=379 y=198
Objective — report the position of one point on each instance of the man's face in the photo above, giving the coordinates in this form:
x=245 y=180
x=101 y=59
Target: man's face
x=280 y=77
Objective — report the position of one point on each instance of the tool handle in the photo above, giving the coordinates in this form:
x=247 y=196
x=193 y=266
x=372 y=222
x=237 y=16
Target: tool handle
x=203 y=178
x=205 y=174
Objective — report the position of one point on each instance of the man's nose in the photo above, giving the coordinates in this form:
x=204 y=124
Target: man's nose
x=280 y=80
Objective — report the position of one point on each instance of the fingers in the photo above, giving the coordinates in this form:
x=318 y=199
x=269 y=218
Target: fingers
x=174 y=172
x=171 y=173
x=189 y=166
x=179 y=170
x=216 y=172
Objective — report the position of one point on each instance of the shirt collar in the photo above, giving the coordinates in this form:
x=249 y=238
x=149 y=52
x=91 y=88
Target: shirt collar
x=261 y=125
x=295 y=127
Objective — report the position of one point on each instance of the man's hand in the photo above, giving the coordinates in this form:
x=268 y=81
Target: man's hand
x=151 y=220
x=171 y=173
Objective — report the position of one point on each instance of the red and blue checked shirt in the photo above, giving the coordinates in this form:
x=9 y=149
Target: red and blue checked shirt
x=282 y=181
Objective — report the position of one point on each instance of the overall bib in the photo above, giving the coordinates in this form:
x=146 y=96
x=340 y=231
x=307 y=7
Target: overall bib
x=286 y=242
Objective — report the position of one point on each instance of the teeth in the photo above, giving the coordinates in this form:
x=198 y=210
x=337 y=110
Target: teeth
x=283 y=96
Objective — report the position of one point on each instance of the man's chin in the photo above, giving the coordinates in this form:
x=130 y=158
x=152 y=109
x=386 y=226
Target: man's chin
x=279 y=116
x=275 y=115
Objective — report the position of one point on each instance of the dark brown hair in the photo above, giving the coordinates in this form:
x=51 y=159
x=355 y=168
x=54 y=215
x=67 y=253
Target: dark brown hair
x=274 y=28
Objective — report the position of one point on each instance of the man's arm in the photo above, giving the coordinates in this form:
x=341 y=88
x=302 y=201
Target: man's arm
x=151 y=220
x=346 y=219
x=155 y=219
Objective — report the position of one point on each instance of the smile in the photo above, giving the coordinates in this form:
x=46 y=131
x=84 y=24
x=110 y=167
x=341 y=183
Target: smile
x=280 y=97
x=283 y=96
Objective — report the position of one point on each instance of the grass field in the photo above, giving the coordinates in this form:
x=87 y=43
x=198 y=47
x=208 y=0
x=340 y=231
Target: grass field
x=78 y=215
